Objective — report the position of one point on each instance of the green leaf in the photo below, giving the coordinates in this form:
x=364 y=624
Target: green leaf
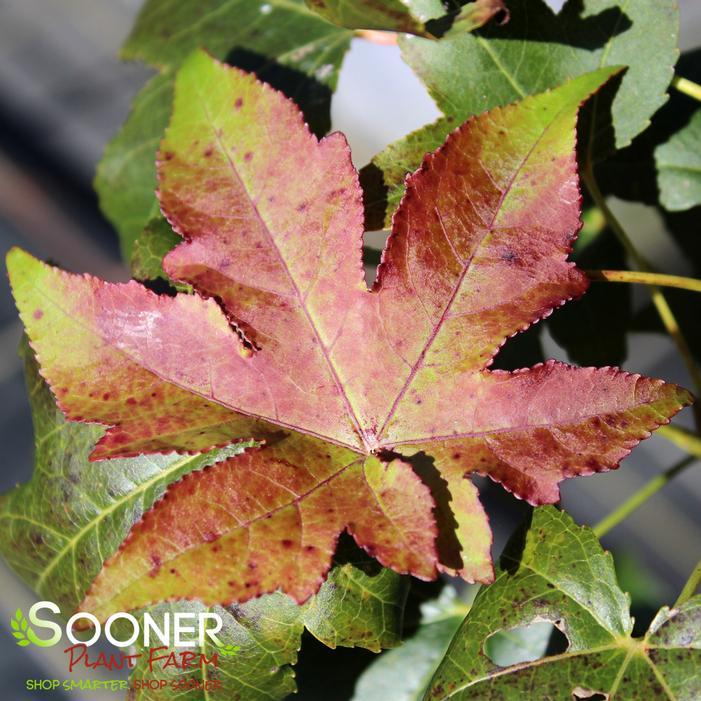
x=126 y=175
x=155 y=241
x=679 y=167
x=557 y=571
x=421 y=17
x=402 y=674
x=538 y=50
x=359 y=605
x=280 y=40
x=59 y=527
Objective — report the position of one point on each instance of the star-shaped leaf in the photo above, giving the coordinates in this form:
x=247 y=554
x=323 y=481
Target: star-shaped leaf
x=536 y=50
x=375 y=406
x=556 y=571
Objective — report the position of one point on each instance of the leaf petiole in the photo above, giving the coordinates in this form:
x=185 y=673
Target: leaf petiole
x=689 y=589
x=641 y=496
x=688 y=87
x=645 y=278
x=659 y=300
x=682 y=438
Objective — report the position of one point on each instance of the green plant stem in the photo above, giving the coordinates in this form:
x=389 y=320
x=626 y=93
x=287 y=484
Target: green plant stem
x=688 y=87
x=641 y=496
x=686 y=440
x=663 y=309
x=692 y=584
x=643 y=278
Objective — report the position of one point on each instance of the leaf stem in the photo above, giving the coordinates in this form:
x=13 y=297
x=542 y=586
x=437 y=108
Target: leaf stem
x=688 y=87
x=663 y=309
x=692 y=584
x=645 y=278
x=682 y=438
x=638 y=498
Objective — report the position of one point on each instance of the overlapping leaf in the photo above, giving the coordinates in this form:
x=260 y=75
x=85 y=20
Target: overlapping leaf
x=282 y=41
x=404 y=673
x=375 y=405
x=359 y=605
x=146 y=263
x=679 y=167
x=534 y=51
x=558 y=572
x=61 y=526
x=420 y=17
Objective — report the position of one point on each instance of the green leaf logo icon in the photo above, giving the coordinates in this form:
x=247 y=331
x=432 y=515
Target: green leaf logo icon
x=23 y=632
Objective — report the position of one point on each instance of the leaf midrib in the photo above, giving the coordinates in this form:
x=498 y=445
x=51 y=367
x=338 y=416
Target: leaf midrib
x=466 y=267
x=283 y=263
x=245 y=525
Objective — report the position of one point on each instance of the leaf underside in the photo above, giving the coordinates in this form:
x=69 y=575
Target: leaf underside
x=420 y=17
x=375 y=405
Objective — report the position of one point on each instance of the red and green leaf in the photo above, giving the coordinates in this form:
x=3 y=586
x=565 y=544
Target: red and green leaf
x=377 y=404
x=270 y=521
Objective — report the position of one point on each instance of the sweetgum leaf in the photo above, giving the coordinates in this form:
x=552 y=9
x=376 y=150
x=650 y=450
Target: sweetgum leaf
x=556 y=571
x=269 y=521
x=282 y=41
x=536 y=50
x=421 y=17
x=73 y=514
x=678 y=164
x=376 y=406
x=395 y=15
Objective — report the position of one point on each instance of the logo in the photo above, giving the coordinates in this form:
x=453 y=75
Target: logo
x=24 y=633
x=179 y=629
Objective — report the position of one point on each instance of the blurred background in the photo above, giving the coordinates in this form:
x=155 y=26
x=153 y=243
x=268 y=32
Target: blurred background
x=63 y=94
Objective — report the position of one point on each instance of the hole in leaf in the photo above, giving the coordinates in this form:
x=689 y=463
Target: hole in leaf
x=580 y=694
x=525 y=644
